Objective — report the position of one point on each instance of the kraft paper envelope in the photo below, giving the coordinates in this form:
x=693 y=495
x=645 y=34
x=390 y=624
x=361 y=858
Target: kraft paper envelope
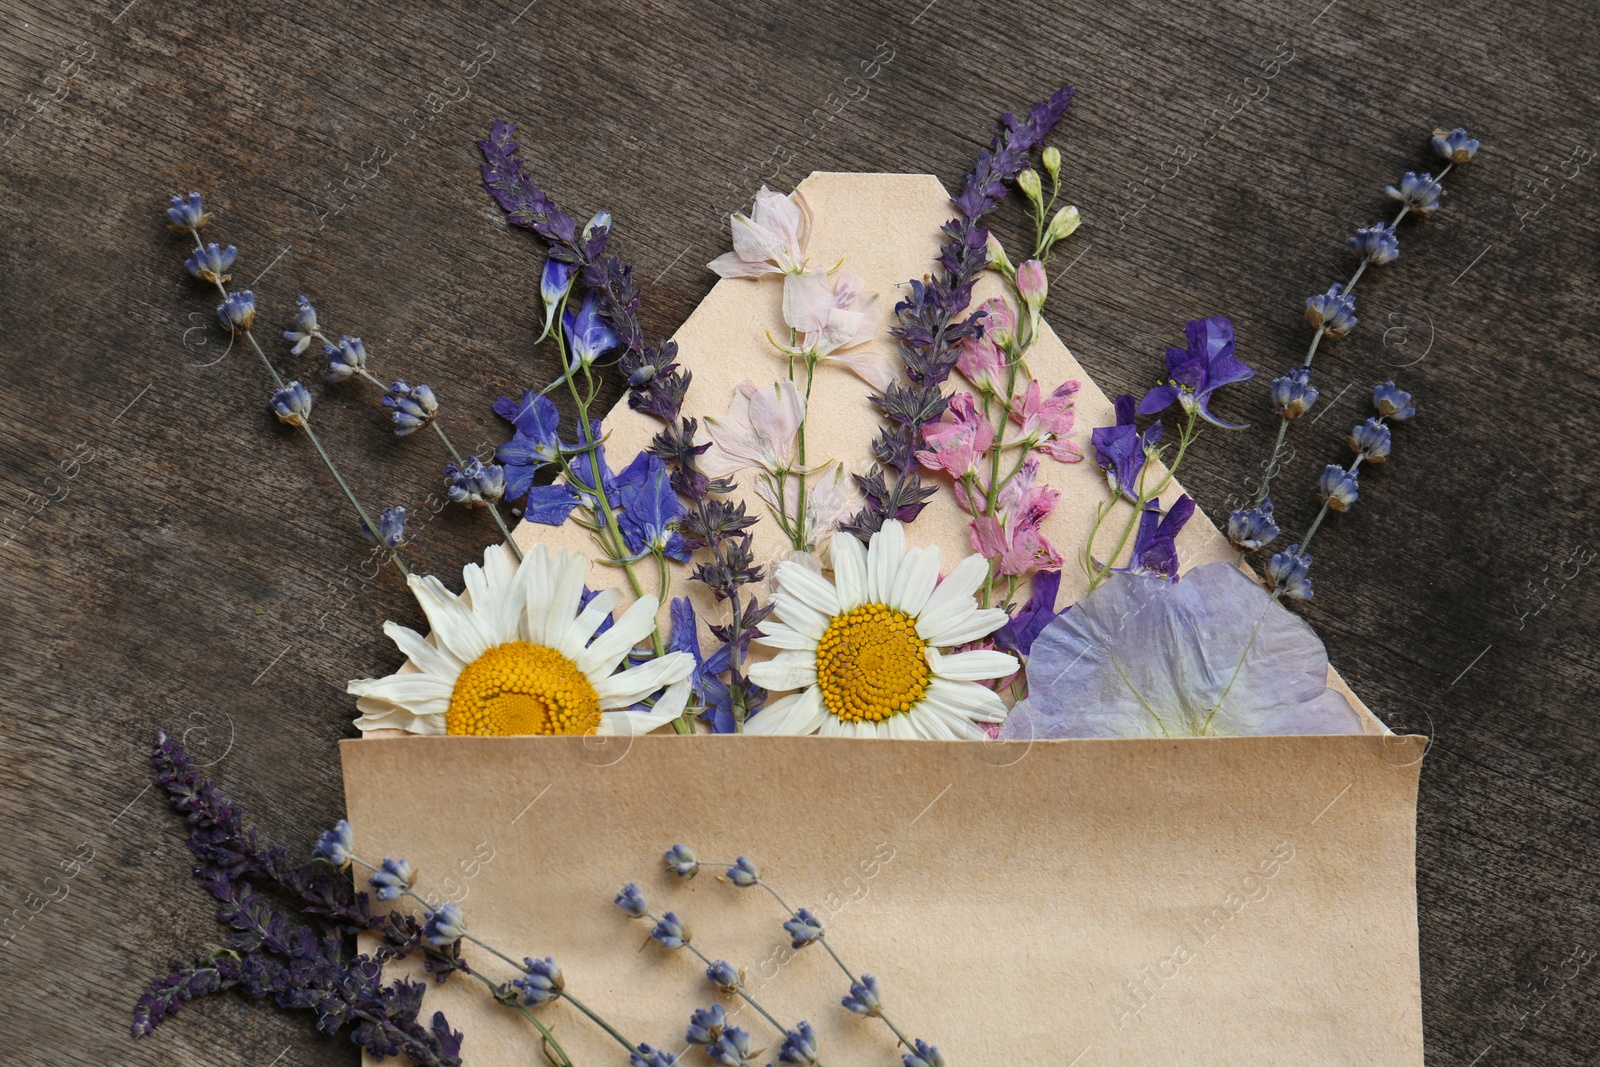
x=1211 y=901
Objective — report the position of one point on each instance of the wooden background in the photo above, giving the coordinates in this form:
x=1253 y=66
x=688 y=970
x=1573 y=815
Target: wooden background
x=172 y=557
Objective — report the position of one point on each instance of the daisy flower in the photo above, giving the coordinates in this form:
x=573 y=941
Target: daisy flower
x=519 y=654
x=864 y=649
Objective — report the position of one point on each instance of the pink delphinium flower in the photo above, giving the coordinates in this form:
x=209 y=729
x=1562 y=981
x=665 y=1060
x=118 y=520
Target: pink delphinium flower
x=1013 y=535
x=770 y=240
x=983 y=360
x=1045 y=421
x=958 y=441
x=830 y=321
x=760 y=430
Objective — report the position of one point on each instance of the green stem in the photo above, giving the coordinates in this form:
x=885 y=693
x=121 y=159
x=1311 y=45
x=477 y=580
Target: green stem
x=993 y=496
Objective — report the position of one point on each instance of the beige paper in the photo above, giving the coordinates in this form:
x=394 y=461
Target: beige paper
x=1219 y=901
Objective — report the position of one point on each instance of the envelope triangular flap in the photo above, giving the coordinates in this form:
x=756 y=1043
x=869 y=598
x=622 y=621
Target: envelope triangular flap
x=885 y=228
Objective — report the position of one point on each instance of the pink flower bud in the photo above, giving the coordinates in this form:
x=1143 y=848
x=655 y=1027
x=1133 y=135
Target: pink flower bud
x=1031 y=284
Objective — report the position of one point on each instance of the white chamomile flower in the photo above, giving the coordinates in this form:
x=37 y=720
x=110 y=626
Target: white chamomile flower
x=518 y=658
x=864 y=649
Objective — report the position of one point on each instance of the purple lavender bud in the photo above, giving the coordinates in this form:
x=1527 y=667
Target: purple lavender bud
x=1293 y=394
x=926 y=1055
x=1338 y=487
x=542 y=984
x=475 y=483
x=414 y=407
x=731 y=1048
x=864 y=997
x=305 y=326
x=1418 y=192
x=681 y=862
x=1455 y=146
x=191 y=214
x=211 y=263
x=632 y=902
x=444 y=927
x=1377 y=244
x=392 y=879
x=237 y=311
x=725 y=977
x=1370 y=440
x=292 y=404
x=743 y=873
x=334 y=845
x=804 y=928
x=1251 y=528
x=652 y=1057
x=1393 y=403
x=706 y=1025
x=1288 y=571
x=799 y=1045
x=391 y=531
x=1333 y=312
x=671 y=931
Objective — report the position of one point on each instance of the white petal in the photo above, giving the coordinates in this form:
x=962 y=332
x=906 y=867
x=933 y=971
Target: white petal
x=800 y=616
x=900 y=726
x=800 y=714
x=965 y=700
x=669 y=707
x=977 y=665
x=404 y=689
x=929 y=724
x=919 y=574
x=454 y=625
x=634 y=684
x=428 y=659
x=884 y=555
x=536 y=586
x=566 y=590
x=811 y=588
x=594 y=613
x=776 y=634
x=376 y=715
x=599 y=658
x=786 y=670
x=953 y=596
x=849 y=572
x=964 y=628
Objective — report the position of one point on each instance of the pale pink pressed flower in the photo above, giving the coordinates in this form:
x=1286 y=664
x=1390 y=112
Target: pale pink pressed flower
x=1032 y=285
x=982 y=360
x=830 y=499
x=958 y=441
x=829 y=321
x=1045 y=421
x=760 y=430
x=770 y=240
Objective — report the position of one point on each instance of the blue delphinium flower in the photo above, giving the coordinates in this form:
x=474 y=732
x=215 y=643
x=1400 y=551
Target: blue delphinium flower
x=1195 y=373
x=706 y=1025
x=1376 y=243
x=1252 y=528
x=864 y=998
x=725 y=977
x=648 y=1056
x=1333 y=312
x=212 y=263
x=1393 y=403
x=391 y=531
x=1289 y=572
x=589 y=336
x=1155 y=549
x=554 y=282
x=1338 y=487
x=292 y=404
x=535 y=444
x=475 y=482
x=804 y=928
x=799 y=1045
x=1454 y=147
x=391 y=880
x=731 y=1048
x=1418 y=192
x=445 y=926
x=346 y=359
x=743 y=873
x=1293 y=394
x=413 y=406
x=632 y=902
x=542 y=983
x=650 y=509
x=1120 y=450
x=681 y=862
x=191 y=214
x=1370 y=440
x=237 y=311
x=334 y=845
x=671 y=931
x=925 y=1055
x=715 y=700
x=1018 y=634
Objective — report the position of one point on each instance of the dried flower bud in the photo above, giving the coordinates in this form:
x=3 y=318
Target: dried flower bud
x=1064 y=224
x=1051 y=158
x=1028 y=182
x=1032 y=285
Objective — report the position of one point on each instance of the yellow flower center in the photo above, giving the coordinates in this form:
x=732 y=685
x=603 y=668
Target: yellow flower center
x=522 y=688
x=871 y=664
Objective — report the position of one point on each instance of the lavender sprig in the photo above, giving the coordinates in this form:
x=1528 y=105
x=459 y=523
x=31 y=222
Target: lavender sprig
x=469 y=482
x=237 y=313
x=1332 y=315
x=295 y=956
x=928 y=332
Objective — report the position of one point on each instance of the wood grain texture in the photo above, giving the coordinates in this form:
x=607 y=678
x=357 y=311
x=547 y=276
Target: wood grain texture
x=193 y=567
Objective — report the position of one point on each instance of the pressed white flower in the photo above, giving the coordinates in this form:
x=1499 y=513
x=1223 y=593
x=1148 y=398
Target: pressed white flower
x=519 y=659
x=770 y=240
x=829 y=321
x=760 y=430
x=864 y=649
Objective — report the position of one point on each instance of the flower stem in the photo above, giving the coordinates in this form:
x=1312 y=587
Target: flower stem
x=1185 y=439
